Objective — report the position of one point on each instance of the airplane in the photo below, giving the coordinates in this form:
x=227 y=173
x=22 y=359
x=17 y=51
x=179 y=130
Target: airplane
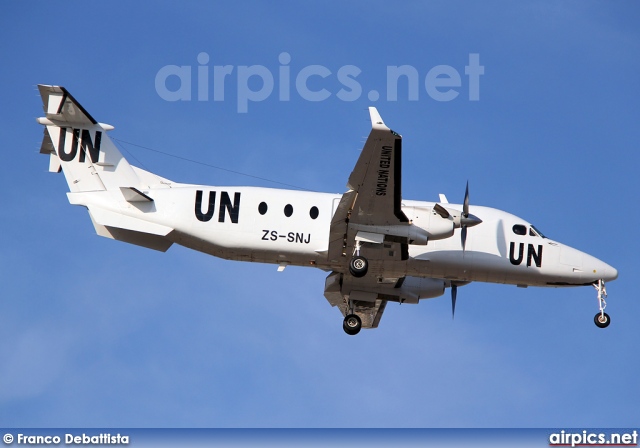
x=376 y=246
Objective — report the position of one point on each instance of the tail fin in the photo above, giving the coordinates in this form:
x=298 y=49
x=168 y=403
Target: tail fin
x=79 y=146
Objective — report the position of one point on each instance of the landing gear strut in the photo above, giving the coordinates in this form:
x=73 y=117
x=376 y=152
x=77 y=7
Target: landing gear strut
x=602 y=319
x=358 y=266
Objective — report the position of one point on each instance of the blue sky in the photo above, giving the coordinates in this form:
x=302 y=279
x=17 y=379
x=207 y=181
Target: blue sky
x=101 y=333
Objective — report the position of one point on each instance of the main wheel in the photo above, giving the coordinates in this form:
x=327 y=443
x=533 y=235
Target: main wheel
x=358 y=266
x=602 y=321
x=352 y=324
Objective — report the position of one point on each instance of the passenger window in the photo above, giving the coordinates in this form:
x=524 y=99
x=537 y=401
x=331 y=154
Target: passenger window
x=288 y=210
x=519 y=229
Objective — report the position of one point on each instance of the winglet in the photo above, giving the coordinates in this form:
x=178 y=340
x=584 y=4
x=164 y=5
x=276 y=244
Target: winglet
x=376 y=120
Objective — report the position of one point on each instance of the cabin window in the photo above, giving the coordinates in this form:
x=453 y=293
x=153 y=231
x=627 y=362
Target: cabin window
x=314 y=212
x=262 y=208
x=519 y=229
x=288 y=210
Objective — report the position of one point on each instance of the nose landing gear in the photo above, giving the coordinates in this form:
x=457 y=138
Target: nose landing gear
x=602 y=319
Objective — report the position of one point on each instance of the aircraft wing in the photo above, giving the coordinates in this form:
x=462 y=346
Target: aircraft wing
x=374 y=196
x=369 y=305
x=369 y=295
x=372 y=203
x=376 y=178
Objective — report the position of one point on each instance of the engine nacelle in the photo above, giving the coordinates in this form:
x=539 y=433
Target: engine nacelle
x=425 y=225
x=414 y=289
x=434 y=225
x=376 y=234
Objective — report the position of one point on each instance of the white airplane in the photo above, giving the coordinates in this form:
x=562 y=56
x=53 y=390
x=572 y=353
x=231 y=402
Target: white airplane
x=376 y=246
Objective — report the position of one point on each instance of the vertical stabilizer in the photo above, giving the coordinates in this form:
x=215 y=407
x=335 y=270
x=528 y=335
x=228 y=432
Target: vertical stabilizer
x=79 y=146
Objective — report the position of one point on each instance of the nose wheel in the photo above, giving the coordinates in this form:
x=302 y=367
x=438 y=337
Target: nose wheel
x=602 y=319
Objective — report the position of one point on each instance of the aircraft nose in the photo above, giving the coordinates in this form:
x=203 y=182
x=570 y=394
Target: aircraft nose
x=601 y=269
x=610 y=273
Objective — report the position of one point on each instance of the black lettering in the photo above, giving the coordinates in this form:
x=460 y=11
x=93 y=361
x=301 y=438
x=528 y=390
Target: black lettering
x=531 y=253
x=61 y=141
x=88 y=146
x=383 y=180
x=64 y=156
x=290 y=237
x=385 y=156
x=198 y=209
x=299 y=237
x=516 y=261
x=308 y=239
x=274 y=235
x=264 y=237
x=225 y=204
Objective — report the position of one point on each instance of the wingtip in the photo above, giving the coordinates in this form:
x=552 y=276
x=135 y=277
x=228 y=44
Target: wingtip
x=376 y=119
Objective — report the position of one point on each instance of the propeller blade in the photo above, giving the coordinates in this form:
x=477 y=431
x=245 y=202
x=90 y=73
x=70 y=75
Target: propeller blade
x=465 y=206
x=454 y=294
x=463 y=235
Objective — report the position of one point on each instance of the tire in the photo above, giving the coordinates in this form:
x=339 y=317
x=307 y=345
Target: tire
x=602 y=321
x=352 y=324
x=358 y=266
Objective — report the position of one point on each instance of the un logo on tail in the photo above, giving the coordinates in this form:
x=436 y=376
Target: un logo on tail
x=87 y=146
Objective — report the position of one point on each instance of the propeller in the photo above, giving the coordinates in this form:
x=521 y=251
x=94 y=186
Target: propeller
x=454 y=294
x=466 y=219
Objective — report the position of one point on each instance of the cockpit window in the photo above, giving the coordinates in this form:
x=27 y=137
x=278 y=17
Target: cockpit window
x=519 y=229
x=533 y=228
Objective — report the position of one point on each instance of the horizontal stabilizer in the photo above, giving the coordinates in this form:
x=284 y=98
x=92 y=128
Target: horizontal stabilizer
x=132 y=194
x=59 y=105
x=130 y=230
x=47 y=145
x=118 y=220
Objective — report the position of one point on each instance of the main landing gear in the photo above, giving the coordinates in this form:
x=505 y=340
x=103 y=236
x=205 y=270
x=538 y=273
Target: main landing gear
x=602 y=319
x=352 y=324
x=358 y=266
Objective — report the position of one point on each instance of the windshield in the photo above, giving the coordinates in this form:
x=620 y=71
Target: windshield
x=537 y=231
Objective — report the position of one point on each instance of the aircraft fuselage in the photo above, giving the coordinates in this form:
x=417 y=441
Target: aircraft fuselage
x=288 y=227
